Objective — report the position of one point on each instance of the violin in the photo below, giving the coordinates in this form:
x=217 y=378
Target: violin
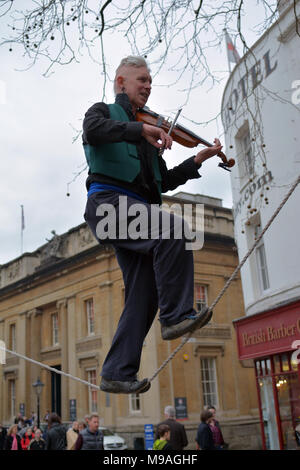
x=180 y=134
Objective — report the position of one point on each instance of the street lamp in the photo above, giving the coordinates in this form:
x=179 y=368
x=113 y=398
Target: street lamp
x=38 y=387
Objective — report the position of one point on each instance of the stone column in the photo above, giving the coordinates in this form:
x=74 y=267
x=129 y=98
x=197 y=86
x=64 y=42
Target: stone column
x=23 y=395
x=72 y=360
x=2 y=383
x=61 y=306
x=107 y=331
x=33 y=320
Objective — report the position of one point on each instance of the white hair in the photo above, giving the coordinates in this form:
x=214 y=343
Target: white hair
x=130 y=61
x=170 y=411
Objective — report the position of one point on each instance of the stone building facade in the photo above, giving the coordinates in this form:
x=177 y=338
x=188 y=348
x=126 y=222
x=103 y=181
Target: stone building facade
x=60 y=305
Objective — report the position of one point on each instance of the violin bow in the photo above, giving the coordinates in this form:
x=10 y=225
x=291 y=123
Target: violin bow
x=171 y=128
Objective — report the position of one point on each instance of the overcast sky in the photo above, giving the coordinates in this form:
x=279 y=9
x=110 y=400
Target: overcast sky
x=37 y=120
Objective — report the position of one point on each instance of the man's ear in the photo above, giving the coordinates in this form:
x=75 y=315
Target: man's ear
x=120 y=82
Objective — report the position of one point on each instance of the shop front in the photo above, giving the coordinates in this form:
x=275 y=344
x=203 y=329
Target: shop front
x=272 y=340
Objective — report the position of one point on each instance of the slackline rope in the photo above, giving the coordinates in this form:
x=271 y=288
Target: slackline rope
x=187 y=337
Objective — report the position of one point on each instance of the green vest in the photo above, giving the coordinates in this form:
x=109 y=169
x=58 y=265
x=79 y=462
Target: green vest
x=119 y=160
x=159 y=445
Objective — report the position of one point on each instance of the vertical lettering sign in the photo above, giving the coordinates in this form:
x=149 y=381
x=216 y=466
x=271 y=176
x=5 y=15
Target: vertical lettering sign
x=22 y=409
x=181 y=408
x=73 y=412
x=149 y=436
x=255 y=75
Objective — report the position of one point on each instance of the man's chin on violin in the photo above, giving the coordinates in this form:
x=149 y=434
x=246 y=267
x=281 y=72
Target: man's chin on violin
x=136 y=82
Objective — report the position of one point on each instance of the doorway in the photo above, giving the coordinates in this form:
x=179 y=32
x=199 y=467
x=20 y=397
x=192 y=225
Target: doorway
x=56 y=391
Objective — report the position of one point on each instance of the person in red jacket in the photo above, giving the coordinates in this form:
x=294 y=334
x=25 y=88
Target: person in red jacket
x=27 y=438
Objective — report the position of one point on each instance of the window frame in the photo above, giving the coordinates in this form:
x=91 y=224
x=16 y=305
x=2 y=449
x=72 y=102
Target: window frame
x=199 y=285
x=214 y=402
x=135 y=403
x=247 y=149
x=54 y=329
x=87 y=302
x=262 y=267
x=92 y=391
x=12 y=336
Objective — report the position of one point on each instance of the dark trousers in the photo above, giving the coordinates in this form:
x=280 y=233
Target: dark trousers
x=157 y=273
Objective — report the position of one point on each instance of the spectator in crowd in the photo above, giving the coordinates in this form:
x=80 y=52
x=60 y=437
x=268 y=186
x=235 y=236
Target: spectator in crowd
x=204 y=436
x=13 y=440
x=178 y=439
x=56 y=436
x=82 y=425
x=27 y=438
x=38 y=442
x=27 y=421
x=19 y=420
x=216 y=430
x=33 y=418
x=3 y=433
x=163 y=443
x=72 y=436
x=91 y=438
x=46 y=417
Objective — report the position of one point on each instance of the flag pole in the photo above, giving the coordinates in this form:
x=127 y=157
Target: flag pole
x=22 y=227
x=225 y=38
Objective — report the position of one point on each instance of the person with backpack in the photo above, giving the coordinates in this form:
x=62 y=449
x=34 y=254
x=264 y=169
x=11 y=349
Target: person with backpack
x=56 y=436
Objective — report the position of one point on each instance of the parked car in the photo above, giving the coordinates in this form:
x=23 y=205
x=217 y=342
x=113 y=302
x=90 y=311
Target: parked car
x=111 y=440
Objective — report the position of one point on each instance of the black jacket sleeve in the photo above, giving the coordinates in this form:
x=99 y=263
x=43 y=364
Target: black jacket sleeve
x=48 y=441
x=184 y=437
x=204 y=437
x=98 y=128
x=178 y=175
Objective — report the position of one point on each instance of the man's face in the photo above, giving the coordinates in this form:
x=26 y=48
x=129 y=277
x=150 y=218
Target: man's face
x=137 y=83
x=94 y=424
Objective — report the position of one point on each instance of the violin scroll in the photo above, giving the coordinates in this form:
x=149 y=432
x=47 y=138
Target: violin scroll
x=226 y=164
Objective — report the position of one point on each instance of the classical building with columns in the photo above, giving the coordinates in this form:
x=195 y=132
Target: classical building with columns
x=60 y=305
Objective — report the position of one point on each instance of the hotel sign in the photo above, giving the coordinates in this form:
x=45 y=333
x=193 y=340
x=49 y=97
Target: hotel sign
x=247 y=83
x=268 y=333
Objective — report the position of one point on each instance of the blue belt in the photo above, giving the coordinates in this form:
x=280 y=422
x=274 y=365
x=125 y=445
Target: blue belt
x=99 y=187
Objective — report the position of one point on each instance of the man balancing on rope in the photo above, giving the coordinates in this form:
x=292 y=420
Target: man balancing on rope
x=158 y=272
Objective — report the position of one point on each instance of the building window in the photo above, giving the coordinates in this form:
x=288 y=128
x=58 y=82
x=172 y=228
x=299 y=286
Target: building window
x=92 y=378
x=261 y=261
x=134 y=403
x=200 y=297
x=89 y=310
x=209 y=381
x=12 y=337
x=248 y=153
x=12 y=396
x=54 y=326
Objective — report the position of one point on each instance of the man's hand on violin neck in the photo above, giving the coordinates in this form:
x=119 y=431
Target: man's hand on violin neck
x=157 y=136
x=208 y=152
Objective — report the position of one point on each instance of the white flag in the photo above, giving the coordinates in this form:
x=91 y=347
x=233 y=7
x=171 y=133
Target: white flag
x=232 y=53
